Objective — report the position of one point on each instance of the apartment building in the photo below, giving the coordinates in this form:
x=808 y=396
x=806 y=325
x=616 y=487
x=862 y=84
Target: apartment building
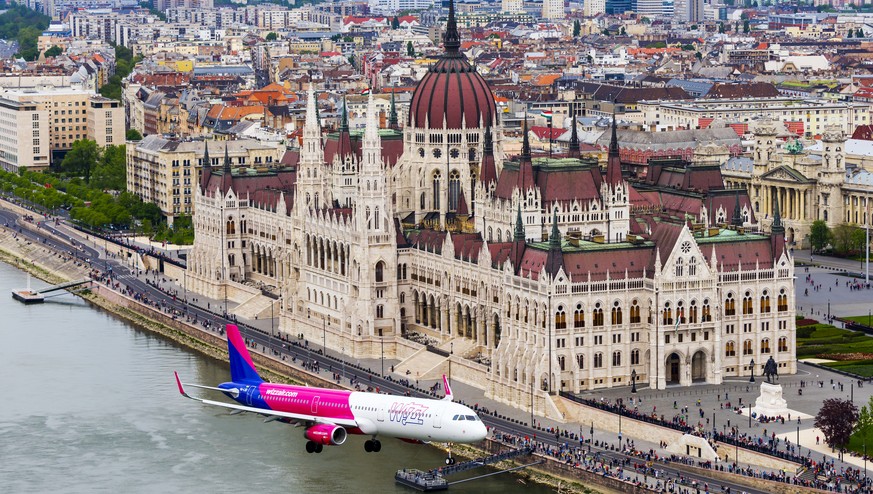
x=24 y=136
x=166 y=171
x=72 y=113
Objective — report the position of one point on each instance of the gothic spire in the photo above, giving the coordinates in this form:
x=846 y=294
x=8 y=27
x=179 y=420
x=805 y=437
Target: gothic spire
x=613 y=163
x=344 y=124
x=452 y=39
x=574 y=150
x=226 y=160
x=525 y=143
x=519 y=227
x=737 y=219
x=555 y=237
x=488 y=171
x=488 y=147
x=777 y=226
x=392 y=115
x=207 y=161
x=613 y=143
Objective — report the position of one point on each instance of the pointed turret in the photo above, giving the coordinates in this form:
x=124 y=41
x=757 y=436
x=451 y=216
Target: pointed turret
x=344 y=140
x=452 y=39
x=488 y=170
x=737 y=219
x=227 y=175
x=226 y=167
x=516 y=252
x=207 y=161
x=525 y=164
x=344 y=123
x=574 y=149
x=206 y=170
x=777 y=230
x=555 y=260
x=392 y=115
x=371 y=146
x=613 y=164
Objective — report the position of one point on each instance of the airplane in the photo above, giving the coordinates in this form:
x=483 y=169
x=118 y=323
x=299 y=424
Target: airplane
x=330 y=415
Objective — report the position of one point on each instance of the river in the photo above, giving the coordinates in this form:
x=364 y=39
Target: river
x=90 y=405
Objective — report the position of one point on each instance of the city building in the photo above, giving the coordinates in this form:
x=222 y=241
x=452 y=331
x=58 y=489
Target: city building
x=553 y=9
x=165 y=172
x=24 y=136
x=530 y=275
x=72 y=113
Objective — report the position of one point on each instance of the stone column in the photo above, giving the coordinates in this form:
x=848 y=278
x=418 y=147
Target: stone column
x=489 y=330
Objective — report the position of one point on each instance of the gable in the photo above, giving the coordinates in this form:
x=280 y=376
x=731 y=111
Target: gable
x=785 y=174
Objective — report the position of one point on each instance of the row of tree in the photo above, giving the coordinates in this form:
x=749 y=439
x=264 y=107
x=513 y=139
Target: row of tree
x=100 y=168
x=124 y=63
x=21 y=24
x=845 y=240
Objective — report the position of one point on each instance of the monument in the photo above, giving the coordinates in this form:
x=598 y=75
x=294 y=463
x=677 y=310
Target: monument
x=770 y=403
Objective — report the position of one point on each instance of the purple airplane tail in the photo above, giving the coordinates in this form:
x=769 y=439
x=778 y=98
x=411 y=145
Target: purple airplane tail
x=242 y=369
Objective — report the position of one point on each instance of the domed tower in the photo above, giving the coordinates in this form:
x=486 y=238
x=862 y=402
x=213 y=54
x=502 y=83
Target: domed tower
x=444 y=136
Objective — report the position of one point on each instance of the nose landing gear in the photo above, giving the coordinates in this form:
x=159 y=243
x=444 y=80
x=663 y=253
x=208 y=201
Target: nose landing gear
x=449 y=459
x=372 y=446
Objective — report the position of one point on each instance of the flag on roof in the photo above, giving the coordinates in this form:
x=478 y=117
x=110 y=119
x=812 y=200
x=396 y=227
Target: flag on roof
x=365 y=92
x=547 y=114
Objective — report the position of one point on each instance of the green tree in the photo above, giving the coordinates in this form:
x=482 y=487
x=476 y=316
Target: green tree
x=110 y=172
x=819 y=235
x=54 y=51
x=694 y=27
x=698 y=55
x=133 y=135
x=605 y=32
x=81 y=158
x=410 y=50
x=850 y=34
x=746 y=27
x=577 y=28
x=859 y=33
x=721 y=28
x=623 y=31
x=271 y=36
x=395 y=23
x=836 y=419
x=864 y=426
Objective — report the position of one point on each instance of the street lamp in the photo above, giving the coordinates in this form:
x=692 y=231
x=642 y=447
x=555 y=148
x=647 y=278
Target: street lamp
x=382 y=344
x=829 y=310
x=633 y=381
x=752 y=371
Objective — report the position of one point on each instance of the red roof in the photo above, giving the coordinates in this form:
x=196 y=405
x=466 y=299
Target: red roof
x=452 y=94
x=542 y=133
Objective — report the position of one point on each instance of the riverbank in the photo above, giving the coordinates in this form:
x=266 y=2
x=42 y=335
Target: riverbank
x=54 y=267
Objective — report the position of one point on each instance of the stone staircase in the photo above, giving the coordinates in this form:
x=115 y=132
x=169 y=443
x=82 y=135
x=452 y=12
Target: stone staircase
x=422 y=365
x=256 y=305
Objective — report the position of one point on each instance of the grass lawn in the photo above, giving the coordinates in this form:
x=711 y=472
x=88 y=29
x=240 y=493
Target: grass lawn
x=865 y=320
x=853 y=350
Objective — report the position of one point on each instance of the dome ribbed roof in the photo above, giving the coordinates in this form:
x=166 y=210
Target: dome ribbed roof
x=452 y=91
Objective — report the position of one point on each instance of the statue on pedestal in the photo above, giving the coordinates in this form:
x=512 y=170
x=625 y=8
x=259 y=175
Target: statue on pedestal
x=770 y=369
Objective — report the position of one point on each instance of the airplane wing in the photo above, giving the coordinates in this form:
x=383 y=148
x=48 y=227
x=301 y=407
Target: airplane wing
x=265 y=411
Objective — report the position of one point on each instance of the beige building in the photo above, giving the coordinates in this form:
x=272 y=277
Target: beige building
x=71 y=114
x=165 y=172
x=24 y=136
x=815 y=115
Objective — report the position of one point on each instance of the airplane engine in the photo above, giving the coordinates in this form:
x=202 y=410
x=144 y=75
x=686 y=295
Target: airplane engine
x=327 y=434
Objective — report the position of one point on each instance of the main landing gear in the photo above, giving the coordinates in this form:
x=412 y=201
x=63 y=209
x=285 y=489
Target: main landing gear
x=449 y=459
x=372 y=446
x=314 y=447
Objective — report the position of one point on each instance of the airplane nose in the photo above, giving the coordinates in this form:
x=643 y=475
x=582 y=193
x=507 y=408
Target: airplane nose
x=481 y=431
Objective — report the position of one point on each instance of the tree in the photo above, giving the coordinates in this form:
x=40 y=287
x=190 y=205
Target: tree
x=694 y=27
x=623 y=31
x=410 y=50
x=271 y=36
x=721 y=28
x=746 y=27
x=54 y=51
x=698 y=55
x=850 y=34
x=836 y=419
x=395 y=23
x=133 y=135
x=859 y=33
x=819 y=235
x=110 y=172
x=577 y=28
x=81 y=158
x=844 y=239
x=605 y=32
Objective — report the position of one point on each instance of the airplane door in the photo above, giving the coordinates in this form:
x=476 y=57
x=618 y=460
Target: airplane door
x=380 y=412
x=437 y=417
x=315 y=400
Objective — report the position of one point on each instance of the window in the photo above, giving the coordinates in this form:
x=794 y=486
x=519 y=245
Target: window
x=679 y=267
x=692 y=266
x=598 y=315
x=560 y=319
x=580 y=360
x=598 y=360
x=729 y=349
x=765 y=302
x=635 y=357
x=616 y=313
x=730 y=307
x=782 y=301
x=579 y=317
x=635 y=313
x=707 y=316
x=747 y=347
x=765 y=345
x=380 y=311
x=667 y=314
x=783 y=344
x=616 y=359
x=692 y=312
x=748 y=308
x=616 y=338
x=380 y=272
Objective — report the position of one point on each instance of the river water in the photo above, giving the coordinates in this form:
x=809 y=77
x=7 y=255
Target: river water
x=89 y=405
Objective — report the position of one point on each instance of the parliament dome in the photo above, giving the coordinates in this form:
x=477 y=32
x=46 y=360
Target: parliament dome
x=452 y=94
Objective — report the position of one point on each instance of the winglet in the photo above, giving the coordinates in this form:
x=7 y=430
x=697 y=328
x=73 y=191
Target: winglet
x=449 y=396
x=179 y=383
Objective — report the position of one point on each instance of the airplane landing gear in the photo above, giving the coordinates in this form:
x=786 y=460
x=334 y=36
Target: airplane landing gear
x=313 y=447
x=372 y=446
x=449 y=459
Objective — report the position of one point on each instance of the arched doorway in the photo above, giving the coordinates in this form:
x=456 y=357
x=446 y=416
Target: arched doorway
x=673 y=368
x=698 y=366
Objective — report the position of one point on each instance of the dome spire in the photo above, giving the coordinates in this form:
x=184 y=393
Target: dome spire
x=452 y=40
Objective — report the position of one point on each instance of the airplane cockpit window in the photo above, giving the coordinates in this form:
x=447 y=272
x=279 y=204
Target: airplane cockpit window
x=471 y=417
